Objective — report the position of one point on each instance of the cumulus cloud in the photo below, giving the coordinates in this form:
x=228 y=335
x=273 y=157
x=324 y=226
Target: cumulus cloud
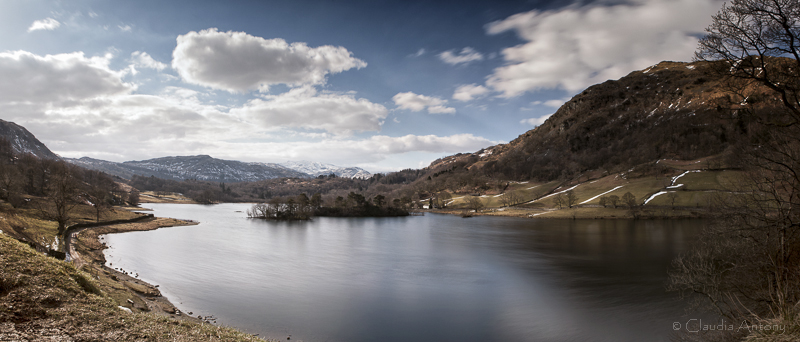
x=27 y=77
x=47 y=24
x=536 y=121
x=466 y=55
x=355 y=151
x=416 y=103
x=574 y=47
x=143 y=60
x=468 y=92
x=303 y=107
x=237 y=61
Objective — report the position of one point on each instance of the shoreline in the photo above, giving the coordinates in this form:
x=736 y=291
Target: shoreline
x=125 y=288
x=595 y=213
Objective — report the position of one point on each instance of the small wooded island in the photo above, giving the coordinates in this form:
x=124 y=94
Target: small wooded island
x=301 y=207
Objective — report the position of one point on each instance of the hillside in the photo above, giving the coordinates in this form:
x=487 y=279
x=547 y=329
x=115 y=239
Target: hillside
x=23 y=141
x=201 y=167
x=670 y=110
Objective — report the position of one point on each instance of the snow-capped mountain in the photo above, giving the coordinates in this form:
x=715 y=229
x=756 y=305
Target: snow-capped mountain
x=317 y=169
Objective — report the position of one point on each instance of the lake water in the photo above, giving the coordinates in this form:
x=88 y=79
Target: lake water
x=428 y=278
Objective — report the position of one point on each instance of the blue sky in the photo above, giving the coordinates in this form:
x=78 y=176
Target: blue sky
x=384 y=85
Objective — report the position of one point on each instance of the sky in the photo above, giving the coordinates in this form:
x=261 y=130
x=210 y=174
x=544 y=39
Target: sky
x=380 y=84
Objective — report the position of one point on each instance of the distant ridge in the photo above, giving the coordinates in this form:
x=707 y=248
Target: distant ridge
x=24 y=141
x=200 y=167
x=319 y=169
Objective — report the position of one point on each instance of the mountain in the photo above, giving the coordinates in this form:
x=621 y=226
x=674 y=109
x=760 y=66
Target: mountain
x=670 y=110
x=201 y=167
x=317 y=169
x=22 y=141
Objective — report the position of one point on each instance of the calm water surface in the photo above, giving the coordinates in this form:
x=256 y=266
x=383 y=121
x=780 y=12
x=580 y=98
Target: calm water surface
x=430 y=278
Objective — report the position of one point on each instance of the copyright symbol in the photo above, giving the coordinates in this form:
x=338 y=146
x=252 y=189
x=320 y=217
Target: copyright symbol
x=676 y=326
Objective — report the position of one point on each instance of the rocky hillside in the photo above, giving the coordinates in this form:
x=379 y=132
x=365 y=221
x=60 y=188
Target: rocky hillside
x=670 y=110
x=321 y=169
x=202 y=167
x=23 y=141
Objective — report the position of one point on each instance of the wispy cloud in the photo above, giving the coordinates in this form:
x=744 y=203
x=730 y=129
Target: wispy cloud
x=466 y=55
x=416 y=103
x=536 y=121
x=48 y=24
x=144 y=60
x=576 y=46
x=468 y=92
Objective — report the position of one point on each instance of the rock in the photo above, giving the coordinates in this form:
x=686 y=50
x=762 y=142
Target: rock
x=125 y=309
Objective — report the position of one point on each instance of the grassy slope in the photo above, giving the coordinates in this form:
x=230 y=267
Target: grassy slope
x=696 y=194
x=42 y=298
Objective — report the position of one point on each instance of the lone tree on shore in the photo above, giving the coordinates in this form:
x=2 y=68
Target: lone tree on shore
x=475 y=203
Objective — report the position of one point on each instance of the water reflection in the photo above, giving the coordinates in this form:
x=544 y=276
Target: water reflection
x=431 y=278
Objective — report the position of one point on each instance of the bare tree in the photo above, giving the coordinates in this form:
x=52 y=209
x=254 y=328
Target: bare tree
x=133 y=197
x=475 y=203
x=672 y=197
x=571 y=198
x=62 y=189
x=604 y=201
x=560 y=200
x=613 y=200
x=629 y=199
x=759 y=40
x=747 y=265
x=510 y=198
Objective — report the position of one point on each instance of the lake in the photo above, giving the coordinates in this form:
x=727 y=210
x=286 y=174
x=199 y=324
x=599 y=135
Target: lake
x=419 y=278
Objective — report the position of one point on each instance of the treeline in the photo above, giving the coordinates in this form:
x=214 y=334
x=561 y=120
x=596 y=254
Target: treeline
x=301 y=207
x=55 y=187
x=392 y=186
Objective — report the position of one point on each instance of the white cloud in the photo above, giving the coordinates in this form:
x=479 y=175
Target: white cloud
x=143 y=60
x=416 y=103
x=466 y=55
x=237 y=61
x=536 y=121
x=48 y=24
x=356 y=151
x=304 y=108
x=419 y=53
x=556 y=103
x=574 y=47
x=26 y=77
x=468 y=92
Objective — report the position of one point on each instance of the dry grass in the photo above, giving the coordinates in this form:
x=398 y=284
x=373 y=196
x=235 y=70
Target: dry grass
x=172 y=197
x=45 y=299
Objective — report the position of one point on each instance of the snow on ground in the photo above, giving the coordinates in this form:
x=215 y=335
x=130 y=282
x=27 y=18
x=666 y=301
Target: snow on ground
x=553 y=194
x=593 y=198
x=532 y=187
x=655 y=195
x=681 y=175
